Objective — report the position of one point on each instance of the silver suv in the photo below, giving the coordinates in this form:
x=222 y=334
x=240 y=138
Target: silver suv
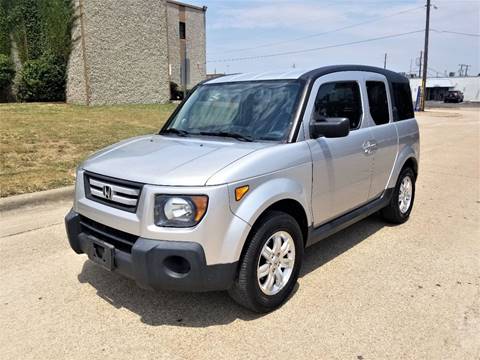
x=249 y=171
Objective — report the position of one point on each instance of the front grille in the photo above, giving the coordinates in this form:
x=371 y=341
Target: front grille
x=121 y=194
x=119 y=239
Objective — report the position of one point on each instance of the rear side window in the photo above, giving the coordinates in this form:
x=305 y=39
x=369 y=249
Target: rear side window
x=339 y=100
x=377 y=101
x=403 y=100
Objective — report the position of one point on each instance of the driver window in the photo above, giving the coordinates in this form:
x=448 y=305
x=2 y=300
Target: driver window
x=339 y=100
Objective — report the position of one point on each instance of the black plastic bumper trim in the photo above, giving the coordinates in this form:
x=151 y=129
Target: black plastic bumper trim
x=146 y=265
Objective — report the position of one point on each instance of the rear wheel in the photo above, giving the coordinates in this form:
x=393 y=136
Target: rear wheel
x=270 y=264
x=398 y=211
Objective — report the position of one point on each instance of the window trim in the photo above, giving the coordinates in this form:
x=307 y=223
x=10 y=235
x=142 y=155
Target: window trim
x=362 y=110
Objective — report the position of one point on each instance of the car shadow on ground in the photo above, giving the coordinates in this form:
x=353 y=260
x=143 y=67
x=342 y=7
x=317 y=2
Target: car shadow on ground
x=211 y=308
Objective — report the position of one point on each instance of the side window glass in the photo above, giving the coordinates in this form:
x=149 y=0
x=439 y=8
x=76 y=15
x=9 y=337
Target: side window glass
x=403 y=100
x=339 y=100
x=377 y=101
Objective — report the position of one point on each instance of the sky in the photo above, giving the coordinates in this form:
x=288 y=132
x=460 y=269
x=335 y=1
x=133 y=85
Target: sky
x=257 y=29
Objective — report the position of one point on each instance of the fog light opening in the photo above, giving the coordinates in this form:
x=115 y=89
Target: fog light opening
x=177 y=266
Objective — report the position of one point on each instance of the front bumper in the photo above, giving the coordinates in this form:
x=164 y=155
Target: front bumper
x=157 y=264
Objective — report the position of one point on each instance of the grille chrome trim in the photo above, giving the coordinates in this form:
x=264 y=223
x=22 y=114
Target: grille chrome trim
x=120 y=194
x=115 y=188
x=115 y=197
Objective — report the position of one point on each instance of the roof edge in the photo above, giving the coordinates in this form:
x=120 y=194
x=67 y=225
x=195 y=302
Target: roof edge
x=389 y=74
x=201 y=8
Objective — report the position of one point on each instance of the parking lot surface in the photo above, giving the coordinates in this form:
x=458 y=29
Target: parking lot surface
x=372 y=291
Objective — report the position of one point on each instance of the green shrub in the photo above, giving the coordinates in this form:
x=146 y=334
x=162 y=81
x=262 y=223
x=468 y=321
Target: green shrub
x=4 y=30
x=57 y=17
x=7 y=72
x=42 y=79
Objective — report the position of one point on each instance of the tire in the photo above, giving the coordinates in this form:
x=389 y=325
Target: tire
x=247 y=289
x=397 y=212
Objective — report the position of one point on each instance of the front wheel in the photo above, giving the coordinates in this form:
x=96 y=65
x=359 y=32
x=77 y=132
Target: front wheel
x=400 y=206
x=269 y=267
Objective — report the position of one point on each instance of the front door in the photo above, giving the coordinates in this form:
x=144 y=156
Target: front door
x=341 y=166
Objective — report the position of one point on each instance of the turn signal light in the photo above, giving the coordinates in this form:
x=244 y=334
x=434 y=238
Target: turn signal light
x=240 y=192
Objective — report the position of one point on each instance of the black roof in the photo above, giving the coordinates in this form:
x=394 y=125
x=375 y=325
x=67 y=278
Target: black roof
x=391 y=76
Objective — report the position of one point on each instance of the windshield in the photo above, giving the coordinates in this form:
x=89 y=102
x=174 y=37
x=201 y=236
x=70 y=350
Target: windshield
x=249 y=111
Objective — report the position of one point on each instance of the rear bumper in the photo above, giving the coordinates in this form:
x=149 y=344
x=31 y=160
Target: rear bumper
x=159 y=264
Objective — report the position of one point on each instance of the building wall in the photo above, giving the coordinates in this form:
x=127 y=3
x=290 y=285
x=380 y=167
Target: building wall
x=76 y=84
x=195 y=43
x=470 y=86
x=196 y=46
x=123 y=57
x=173 y=14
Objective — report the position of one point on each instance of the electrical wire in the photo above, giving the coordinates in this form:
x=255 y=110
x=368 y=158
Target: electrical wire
x=315 y=49
x=455 y=32
x=321 y=33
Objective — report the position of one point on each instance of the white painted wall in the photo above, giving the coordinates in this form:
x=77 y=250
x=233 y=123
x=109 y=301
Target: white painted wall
x=470 y=86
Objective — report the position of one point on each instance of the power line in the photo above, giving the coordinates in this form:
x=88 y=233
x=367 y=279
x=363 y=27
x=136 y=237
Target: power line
x=322 y=33
x=316 y=49
x=455 y=32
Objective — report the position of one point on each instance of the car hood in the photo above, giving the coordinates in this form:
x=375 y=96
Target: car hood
x=168 y=160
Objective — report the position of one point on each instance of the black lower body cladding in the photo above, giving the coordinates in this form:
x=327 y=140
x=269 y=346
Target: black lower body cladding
x=157 y=264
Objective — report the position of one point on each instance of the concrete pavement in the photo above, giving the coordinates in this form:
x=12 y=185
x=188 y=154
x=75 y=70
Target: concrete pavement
x=372 y=291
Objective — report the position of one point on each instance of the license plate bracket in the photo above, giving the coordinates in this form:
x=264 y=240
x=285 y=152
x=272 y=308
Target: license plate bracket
x=101 y=253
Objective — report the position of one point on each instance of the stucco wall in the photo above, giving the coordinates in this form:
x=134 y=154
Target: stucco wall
x=126 y=53
x=173 y=42
x=76 y=87
x=195 y=42
x=196 y=46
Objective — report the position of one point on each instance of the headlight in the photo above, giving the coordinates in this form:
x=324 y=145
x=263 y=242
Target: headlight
x=179 y=211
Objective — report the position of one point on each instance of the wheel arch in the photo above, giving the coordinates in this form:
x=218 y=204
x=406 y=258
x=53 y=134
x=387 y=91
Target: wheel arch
x=286 y=205
x=408 y=157
x=412 y=163
x=291 y=207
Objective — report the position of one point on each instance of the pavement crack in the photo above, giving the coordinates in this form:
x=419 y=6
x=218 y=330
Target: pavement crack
x=29 y=230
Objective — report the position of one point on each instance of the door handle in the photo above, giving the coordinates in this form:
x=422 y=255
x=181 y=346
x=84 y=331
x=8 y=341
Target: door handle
x=369 y=147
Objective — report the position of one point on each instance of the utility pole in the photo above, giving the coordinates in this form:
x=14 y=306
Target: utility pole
x=425 y=59
x=385 y=61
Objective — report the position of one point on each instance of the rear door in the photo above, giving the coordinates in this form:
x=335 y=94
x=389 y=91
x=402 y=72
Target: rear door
x=384 y=147
x=341 y=166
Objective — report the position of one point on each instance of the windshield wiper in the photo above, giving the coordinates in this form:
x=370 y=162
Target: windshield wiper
x=236 y=136
x=176 y=132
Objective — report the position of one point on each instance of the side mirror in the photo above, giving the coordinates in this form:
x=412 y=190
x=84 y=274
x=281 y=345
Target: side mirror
x=330 y=128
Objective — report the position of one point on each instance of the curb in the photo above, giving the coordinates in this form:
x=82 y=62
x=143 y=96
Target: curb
x=36 y=198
